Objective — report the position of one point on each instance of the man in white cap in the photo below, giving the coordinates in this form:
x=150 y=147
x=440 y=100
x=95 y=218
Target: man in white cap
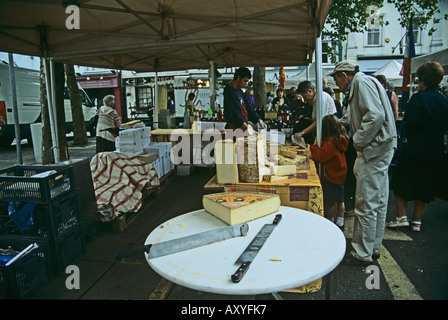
x=374 y=138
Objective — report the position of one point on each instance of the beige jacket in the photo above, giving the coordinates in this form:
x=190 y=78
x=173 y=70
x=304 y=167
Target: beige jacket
x=371 y=117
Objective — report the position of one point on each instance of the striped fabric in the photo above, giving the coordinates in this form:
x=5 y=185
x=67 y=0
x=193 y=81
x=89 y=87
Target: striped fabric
x=119 y=181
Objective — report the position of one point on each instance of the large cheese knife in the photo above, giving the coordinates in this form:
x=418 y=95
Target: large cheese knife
x=185 y=243
x=253 y=248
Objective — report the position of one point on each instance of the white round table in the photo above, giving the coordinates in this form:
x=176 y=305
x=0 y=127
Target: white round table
x=302 y=248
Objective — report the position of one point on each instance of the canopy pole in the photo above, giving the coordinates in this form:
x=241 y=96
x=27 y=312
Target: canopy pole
x=42 y=29
x=319 y=89
x=53 y=113
x=156 y=96
x=12 y=79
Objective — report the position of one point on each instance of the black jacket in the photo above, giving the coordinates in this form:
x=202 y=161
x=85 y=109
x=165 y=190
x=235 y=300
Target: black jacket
x=232 y=109
x=426 y=121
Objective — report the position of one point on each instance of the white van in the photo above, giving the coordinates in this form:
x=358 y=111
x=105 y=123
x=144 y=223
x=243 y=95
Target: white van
x=28 y=105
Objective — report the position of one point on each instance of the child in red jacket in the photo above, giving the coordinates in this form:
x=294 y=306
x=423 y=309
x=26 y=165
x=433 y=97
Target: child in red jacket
x=331 y=156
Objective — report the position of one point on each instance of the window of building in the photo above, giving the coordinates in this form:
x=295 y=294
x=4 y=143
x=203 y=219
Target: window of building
x=326 y=45
x=373 y=35
x=144 y=96
x=417 y=31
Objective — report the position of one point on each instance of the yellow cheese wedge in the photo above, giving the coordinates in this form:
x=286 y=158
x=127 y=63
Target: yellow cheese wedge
x=225 y=160
x=284 y=170
x=288 y=153
x=239 y=207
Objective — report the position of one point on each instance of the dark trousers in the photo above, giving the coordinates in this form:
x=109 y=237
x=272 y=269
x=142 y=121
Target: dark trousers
x=350 y=181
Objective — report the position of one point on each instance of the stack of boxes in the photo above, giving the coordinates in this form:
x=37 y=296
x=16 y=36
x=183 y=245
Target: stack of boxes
x=132 y=142
x=136 y=142
x=163 y=164
x=55 y=222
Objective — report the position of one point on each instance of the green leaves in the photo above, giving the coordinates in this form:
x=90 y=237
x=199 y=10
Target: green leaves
x=346 y=17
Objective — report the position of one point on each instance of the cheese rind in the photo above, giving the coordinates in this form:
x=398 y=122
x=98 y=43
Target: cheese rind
x=239 y=207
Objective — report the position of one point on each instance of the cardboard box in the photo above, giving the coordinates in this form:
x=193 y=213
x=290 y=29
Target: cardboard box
x=158 y=166
x=201 y=126
x=149 y=157
x=146 y=136
x=131 y=135
x=151 y=149
x=146 y=132
x=163 y=148
x=166 y=161
x=130 y=146
x=129 y=153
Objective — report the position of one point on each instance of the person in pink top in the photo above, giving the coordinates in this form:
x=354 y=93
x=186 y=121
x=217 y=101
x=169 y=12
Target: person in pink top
x=331 y=156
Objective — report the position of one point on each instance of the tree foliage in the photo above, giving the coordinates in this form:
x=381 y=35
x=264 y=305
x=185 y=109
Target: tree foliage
x=347 y=17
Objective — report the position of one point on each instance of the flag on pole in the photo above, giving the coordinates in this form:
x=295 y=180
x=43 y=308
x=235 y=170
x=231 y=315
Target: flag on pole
x=282 y=78
x=409 y=53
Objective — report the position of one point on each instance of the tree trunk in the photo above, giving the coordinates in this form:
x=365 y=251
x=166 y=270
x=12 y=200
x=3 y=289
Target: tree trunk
x=79 y=125
x=59 y=80
x=259 y=80
x=47 y=154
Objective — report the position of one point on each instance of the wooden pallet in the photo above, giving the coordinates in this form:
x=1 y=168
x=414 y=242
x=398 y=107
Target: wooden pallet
x=150 y=196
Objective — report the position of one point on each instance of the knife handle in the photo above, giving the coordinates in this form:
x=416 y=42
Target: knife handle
x=132 y=252
x=238 y=275
x=277 y=219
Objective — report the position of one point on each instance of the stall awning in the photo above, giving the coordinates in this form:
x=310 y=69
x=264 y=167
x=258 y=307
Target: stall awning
x=166 y=35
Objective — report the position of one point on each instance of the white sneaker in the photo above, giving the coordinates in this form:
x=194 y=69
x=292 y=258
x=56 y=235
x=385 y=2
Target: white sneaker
x=398 y=222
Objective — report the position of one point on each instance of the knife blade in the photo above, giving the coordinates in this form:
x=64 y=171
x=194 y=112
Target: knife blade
x=253 y=248
x=188 y=242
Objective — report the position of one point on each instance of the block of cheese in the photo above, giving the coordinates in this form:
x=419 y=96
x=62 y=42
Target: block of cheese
x=288 y=153
x=300 y=161
x=251 y=157
x=285 y=170
x=239 y=207
x=225 y=160
x=271 y=178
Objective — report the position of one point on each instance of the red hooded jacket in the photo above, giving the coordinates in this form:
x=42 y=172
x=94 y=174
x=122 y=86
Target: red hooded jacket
x=334 y=166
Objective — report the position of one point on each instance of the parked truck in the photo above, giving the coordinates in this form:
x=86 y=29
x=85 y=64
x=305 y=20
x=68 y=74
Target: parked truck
x=28 y=105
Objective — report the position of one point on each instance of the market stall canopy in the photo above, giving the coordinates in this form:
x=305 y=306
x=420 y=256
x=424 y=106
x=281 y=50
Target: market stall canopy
x=392 y=73
x=438 y=56
x=165 y=35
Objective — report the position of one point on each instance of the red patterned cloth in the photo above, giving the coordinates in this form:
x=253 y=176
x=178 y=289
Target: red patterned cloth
x=119 y=181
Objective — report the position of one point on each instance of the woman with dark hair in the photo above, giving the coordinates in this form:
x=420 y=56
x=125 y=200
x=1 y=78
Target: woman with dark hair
x=280 y=102
x=425 y=123
x=189 y=109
